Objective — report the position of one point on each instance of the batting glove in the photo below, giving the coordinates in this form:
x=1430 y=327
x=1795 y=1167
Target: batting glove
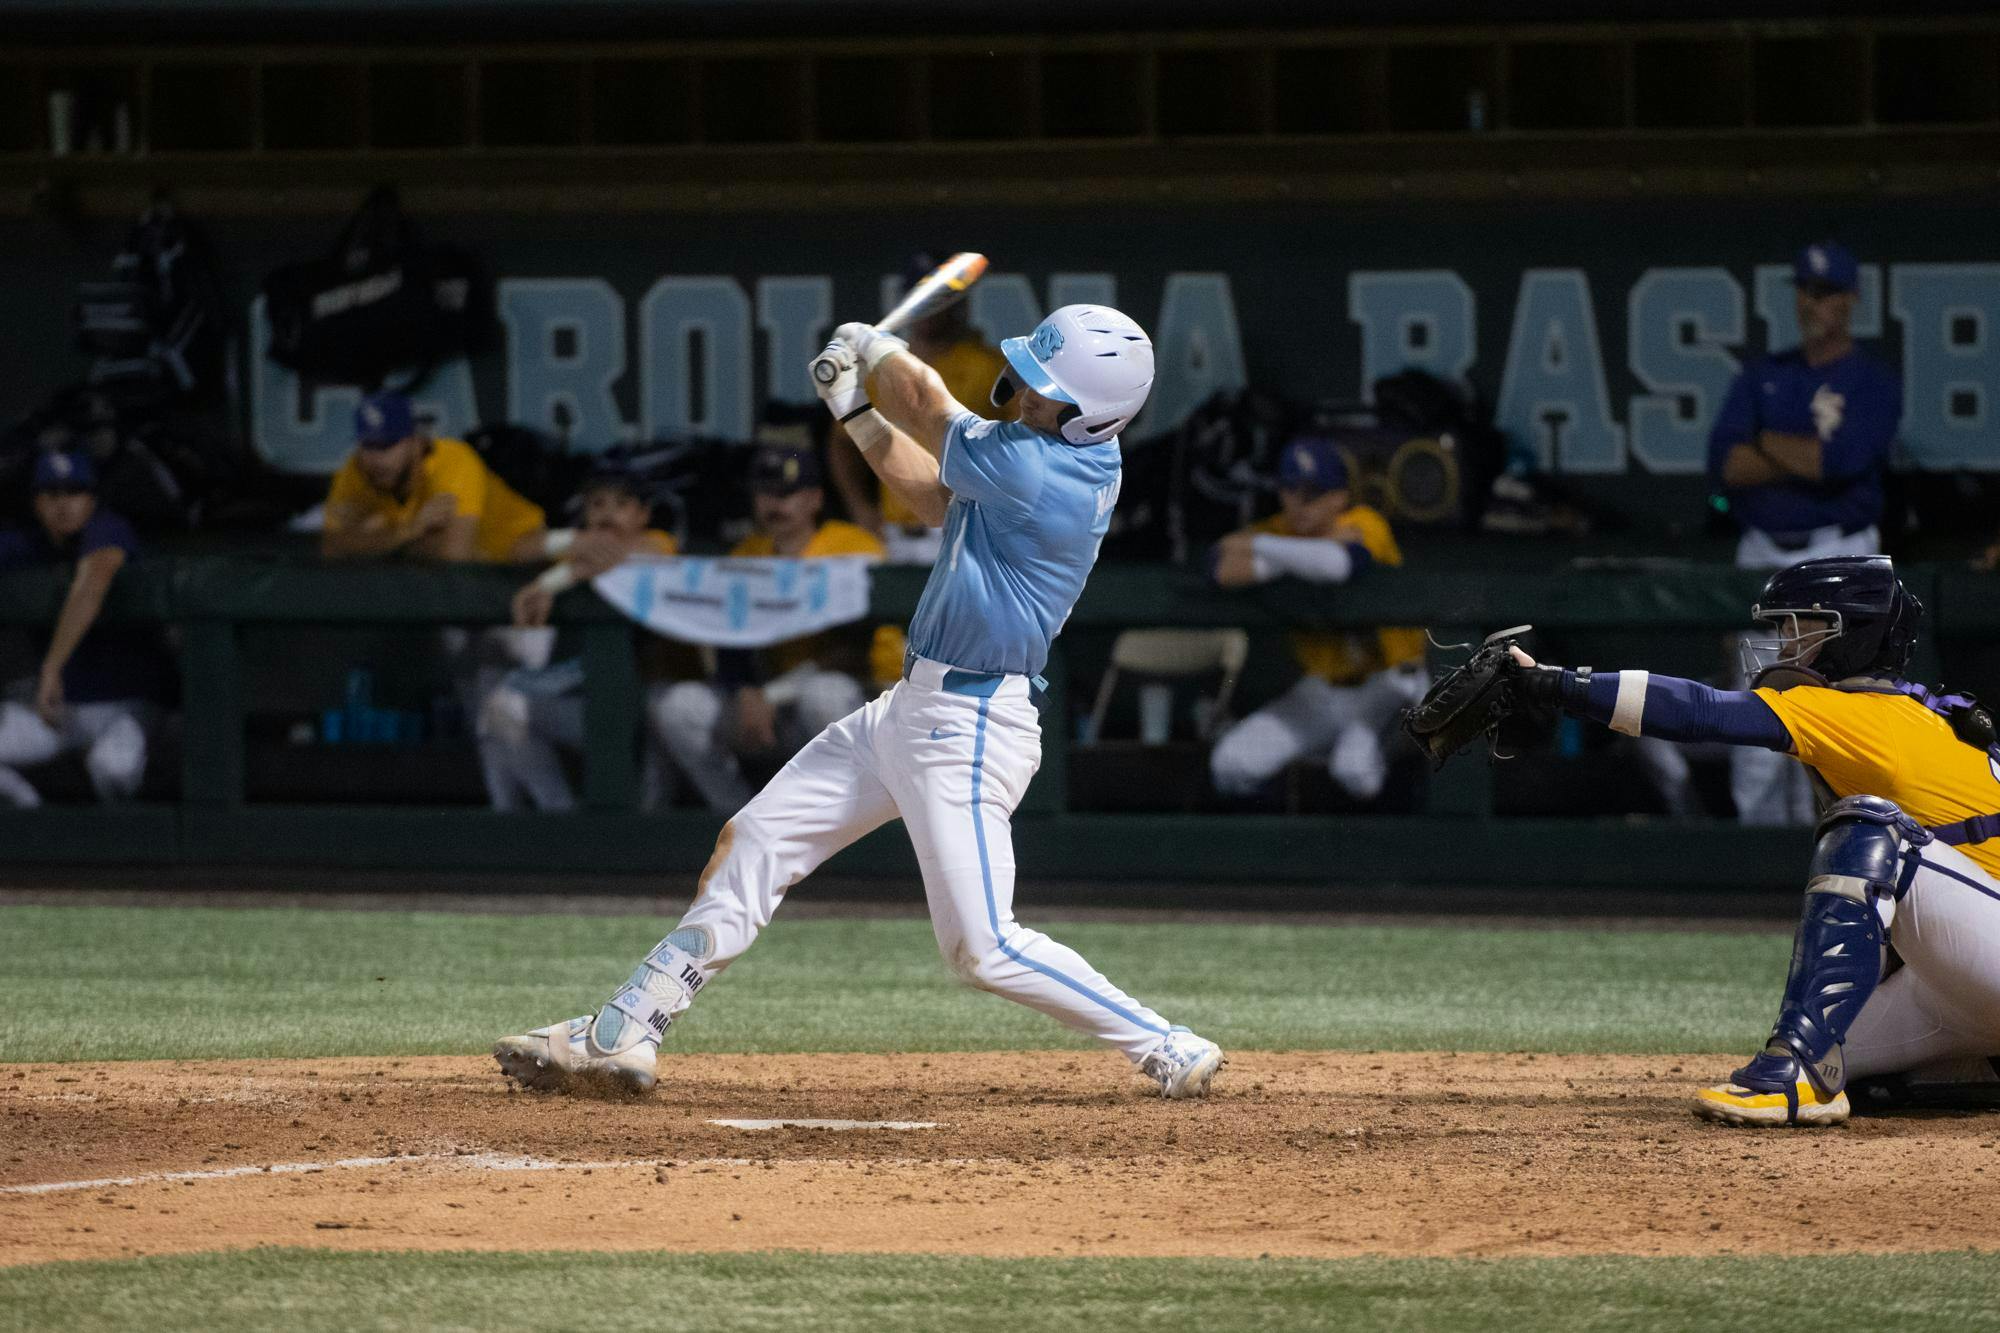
x=837 y=380
x=871 y=345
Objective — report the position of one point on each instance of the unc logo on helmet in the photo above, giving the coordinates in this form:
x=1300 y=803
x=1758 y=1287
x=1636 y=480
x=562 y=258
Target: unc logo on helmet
x=1046 y=342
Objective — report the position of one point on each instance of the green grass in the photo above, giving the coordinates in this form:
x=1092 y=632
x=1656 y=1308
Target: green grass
x=308 y=1290
x=112 y=983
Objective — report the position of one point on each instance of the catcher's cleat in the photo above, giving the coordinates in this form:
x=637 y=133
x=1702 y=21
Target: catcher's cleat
x=1777 y=1088
x=1182 y=1064
x=564 y=1056
x=1734 y=1104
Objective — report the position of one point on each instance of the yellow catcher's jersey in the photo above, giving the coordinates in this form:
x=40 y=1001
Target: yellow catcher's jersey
x=968 y=369
x=451 y=468
x=1343 y=659
x=1891 y=746
x=835 y=537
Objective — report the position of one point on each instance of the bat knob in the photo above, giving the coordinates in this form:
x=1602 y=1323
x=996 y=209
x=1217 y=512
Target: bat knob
x=824 y=370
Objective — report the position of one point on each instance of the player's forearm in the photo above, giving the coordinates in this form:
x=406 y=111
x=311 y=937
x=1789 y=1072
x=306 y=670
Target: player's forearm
x=1799 y=457
x=350 y=541
x=1310 y=558
x=912 y=398
x=906 y=468
x=451 y=544
x=1669 y=708
x=1744 y=466
x=851 y=479
x=79 y=610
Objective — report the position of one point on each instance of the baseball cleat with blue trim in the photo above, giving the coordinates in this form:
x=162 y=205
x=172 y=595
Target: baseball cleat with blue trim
x=1182 y=1064
x=1778 y=1088
x=1734 y=1104
x=564 y=1056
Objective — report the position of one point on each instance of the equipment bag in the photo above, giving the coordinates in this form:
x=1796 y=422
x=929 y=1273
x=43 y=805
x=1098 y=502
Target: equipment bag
x=382 y=302
x=156 y=329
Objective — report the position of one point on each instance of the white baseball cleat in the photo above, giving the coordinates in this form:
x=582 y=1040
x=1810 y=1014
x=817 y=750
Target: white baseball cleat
x=1182 y=1064
x=563 y=1055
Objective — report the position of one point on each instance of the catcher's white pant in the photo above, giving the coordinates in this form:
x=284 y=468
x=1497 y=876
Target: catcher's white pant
x=1342 y=724
x=112 y=736
x=1944 y=1002
x=953 y=766
x=1767 y=787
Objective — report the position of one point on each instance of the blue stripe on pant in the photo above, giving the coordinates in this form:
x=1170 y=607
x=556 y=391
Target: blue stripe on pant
x=992 y=908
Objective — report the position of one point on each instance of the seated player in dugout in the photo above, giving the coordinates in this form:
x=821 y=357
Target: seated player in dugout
x=969 y=366
x=530 y=716
x=100 y=688
x=401 y=491
x=763 y=706
x=1352 y=687
x=1895 y=973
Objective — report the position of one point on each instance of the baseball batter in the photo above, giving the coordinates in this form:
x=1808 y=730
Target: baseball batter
x=951 y=748
x=1896 y=965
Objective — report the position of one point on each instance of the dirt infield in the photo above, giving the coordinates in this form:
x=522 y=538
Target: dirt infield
x=1313 y=1154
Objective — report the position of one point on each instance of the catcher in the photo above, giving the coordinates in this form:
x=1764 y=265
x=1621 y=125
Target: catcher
x=1895 y=973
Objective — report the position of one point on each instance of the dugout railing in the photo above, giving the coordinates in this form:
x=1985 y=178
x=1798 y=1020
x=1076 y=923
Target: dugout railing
x=1455 y=840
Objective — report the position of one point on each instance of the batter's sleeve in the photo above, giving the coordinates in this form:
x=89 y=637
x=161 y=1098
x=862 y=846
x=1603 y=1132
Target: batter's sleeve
x=999 y=464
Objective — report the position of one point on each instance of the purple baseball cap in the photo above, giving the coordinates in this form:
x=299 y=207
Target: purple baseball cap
x=384 y=419
x=1312 y=462
x=64 y=470
x=1828 y=266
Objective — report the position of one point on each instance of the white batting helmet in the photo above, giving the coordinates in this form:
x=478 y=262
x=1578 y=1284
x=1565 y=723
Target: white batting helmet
x=1092 y=357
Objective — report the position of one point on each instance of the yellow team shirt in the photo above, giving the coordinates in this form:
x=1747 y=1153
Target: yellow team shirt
x=454 y=468
x=835 y=537
x=1891 y=746
x=1344 y=659
x=968 y=368
x=658 y=542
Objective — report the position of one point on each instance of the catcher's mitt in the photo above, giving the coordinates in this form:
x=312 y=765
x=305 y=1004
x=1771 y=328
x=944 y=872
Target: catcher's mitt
x=1469 y=702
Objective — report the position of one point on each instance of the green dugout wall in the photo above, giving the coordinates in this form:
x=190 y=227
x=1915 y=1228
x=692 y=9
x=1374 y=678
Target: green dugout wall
x=215 y=600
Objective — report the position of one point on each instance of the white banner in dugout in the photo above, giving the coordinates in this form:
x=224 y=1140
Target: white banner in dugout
x=739 y=603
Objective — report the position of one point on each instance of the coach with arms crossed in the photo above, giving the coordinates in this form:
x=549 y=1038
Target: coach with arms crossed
x=1799 y=448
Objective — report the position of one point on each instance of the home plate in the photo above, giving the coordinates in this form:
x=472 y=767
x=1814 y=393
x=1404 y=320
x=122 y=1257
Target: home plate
x=827 y=1124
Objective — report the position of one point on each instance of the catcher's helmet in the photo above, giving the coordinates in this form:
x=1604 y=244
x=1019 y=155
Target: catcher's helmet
x=1871 y=617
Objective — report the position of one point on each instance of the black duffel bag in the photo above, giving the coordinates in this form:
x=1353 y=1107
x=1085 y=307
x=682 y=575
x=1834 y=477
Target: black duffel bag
x=382 y=304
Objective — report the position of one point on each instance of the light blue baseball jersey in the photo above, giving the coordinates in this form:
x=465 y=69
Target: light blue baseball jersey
x=1028 y=512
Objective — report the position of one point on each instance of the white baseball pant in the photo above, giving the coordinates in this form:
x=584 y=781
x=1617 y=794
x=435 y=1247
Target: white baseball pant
x=1944 y=1002
x=696 y=727
x=112 y=736
x=521 y=735
x=1340 y=724
x=953 y=766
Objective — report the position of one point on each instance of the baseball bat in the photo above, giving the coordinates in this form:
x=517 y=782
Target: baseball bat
x=942 y=286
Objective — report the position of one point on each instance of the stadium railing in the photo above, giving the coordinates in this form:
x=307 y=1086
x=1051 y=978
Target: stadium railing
x=1454 y=841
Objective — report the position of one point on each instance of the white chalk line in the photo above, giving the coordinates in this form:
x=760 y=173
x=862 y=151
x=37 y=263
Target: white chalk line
x=828 y=1124
x=481 y=1162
